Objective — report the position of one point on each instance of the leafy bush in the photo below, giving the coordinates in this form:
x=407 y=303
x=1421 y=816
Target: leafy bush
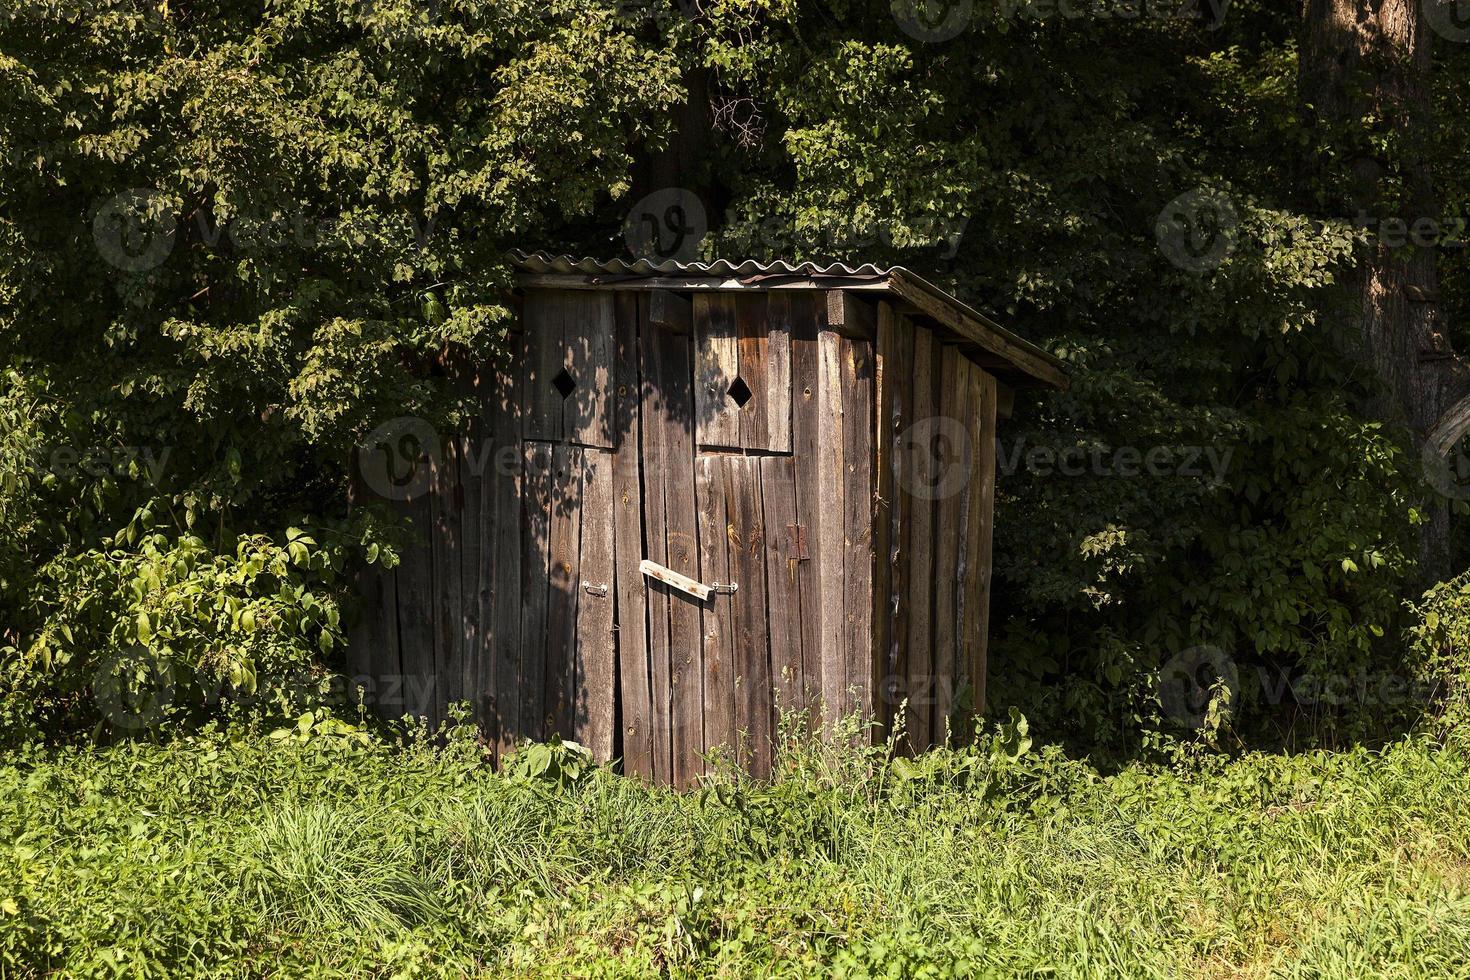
x=1440 y=635
x=166 y=630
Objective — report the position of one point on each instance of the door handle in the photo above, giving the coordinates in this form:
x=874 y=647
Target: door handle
x=684 y=583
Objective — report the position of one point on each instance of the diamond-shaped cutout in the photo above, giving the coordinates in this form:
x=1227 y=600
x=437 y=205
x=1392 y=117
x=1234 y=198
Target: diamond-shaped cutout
x=740 y=392
x=564 y=383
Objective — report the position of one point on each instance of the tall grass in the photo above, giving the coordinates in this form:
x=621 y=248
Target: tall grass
x=324 y=857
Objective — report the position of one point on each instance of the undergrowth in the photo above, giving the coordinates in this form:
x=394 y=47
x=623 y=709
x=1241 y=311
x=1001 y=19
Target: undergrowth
x=325 y=851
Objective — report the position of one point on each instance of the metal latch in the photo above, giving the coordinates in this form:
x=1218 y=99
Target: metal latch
x=724 y=588
x=597 y=590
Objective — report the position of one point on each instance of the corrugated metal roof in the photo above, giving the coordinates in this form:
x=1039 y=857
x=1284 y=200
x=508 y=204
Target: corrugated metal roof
x=1025 y=358
x=543 y=263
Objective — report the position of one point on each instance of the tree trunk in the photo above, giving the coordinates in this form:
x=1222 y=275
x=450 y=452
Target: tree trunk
x=1364 y=73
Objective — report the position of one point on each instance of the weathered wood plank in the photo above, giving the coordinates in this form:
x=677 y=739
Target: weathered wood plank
x=416 y=608
x=387 y=664
x=563 y=577
x=901 y=520
x=714 y=566
x=595 y=711
x=1033 y=368
x=750 y=654
x=777 y=435
x=750 y=366
x=851 y=315
x=857 y=495
x=448 y=588
x=674 y=580
x=542 y=314
x=587 y=324
x=807 y=311
x=956 y=412
x=471 y=530
x=976 y=613
x=717 y=364
x=536 y=501
x=919 y=464
x=888 y=367
x=672 y=533
x=656 y=422
x=503 y=527
x=831 y=545
x=783 y=586
x=634 y=674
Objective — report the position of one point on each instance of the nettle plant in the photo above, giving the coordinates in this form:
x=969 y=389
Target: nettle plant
x=162 y=629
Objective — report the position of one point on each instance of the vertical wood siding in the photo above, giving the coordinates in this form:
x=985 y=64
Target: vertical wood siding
x=612 y=439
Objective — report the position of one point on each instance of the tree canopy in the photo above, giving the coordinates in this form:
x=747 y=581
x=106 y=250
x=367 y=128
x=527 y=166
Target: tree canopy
x=235 y=237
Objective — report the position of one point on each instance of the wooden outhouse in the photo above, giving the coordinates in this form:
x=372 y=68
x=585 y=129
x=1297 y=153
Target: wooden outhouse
x=699 y=496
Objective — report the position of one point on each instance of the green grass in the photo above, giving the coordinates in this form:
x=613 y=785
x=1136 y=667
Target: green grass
x=335 y=855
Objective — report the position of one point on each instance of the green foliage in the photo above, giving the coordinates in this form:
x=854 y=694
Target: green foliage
x=162 y=630
x=330 y=853
x=234 y=238
x=1440 y=638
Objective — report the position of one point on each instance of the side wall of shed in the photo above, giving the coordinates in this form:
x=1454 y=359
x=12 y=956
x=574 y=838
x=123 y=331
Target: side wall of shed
x=932 y=527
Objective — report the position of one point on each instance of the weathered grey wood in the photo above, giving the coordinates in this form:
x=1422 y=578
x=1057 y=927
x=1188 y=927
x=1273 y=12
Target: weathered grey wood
x=716 y=365
x=777 y=369
x=543 y=313
x=563 y=578
x=587 y=324
x=851 y=315
x=670 y=310
x=976 y=613
x=416 y=608
x=674 y=580
x=471 y=529
x=857 y=496
x=1005 y=400
x=535 y=589
x=387 y=663
x=831 y=545
x=718 y=625
x=807 y=311
x=596 y=667
x=919 y=463
x=783 y=586
x=672 y=540
x=887 y=367
x=901 y=516
x=750 y=654
x=503 y=527
x=1025 y=365
x=1031 y=367
x=448 y=587
x=950 y=531
x=634 y=670
x=751 y=328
